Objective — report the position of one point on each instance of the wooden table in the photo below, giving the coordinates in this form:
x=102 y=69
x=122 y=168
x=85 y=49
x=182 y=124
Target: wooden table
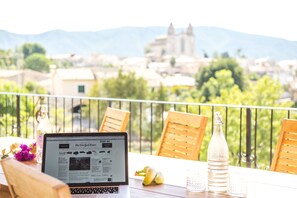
x=261 y=183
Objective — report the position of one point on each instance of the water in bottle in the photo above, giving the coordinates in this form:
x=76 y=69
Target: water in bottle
x=218 y=158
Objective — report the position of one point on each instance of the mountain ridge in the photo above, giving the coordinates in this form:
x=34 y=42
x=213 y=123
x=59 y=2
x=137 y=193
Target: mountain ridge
x=130 y=41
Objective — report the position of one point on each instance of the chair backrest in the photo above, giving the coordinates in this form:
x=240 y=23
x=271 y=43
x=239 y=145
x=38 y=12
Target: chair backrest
x=25 y=182
x=182 y=135
x=285 y=155
x=114 y=120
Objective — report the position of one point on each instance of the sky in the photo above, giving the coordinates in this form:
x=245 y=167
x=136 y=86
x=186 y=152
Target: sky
x=275 y=18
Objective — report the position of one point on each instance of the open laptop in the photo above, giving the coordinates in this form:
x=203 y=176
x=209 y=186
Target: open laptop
x=92 y=164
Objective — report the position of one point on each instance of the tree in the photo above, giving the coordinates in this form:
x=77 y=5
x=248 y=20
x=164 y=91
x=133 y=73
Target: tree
x=62 y=63
x=33 y=87
x=239 y=53
x=230 y=64
x=225 y=55
x=205 y=55
x=10 y=87
x=31 y=48
x=38 y=62
x=222 y=81
x=6 y=59
x=161 y=94
x=9 y=109
x=126 y=86
x=172 y=62
x=95 y=90
x=264 y=92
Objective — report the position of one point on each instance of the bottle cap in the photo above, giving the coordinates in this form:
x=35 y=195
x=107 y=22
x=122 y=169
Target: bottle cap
x=218 y=118
x=43 y=108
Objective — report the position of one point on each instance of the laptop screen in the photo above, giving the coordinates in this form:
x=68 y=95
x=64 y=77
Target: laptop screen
x=86 y=159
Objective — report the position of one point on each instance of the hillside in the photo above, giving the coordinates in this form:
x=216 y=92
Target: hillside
x=130 y=41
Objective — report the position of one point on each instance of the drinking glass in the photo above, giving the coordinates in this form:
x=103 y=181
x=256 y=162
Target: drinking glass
x=196 y=179
x=237 y=184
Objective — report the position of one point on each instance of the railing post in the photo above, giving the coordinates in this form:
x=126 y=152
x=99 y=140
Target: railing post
x=248 y=137
x=18 y=115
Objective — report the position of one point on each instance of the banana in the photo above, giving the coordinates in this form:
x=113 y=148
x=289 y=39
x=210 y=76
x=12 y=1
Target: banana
x=142 y=172
x=159 y=179
x=149 y=177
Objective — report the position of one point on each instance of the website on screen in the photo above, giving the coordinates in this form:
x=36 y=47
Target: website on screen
x=86 y=159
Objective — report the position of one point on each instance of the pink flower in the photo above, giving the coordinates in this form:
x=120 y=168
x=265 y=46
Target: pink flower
x=24 y=154
x=24 y=147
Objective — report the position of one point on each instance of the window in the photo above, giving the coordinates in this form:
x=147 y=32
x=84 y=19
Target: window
x=182 y=46
x=81 y=89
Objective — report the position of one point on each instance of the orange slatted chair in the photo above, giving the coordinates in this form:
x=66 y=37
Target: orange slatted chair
x=114 y=120
x=285 y=156
x=25 y=182
x=182 y=135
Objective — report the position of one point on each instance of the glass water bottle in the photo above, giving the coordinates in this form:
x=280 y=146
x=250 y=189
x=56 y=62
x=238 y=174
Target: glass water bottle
x=218 y=158
x=44 y=126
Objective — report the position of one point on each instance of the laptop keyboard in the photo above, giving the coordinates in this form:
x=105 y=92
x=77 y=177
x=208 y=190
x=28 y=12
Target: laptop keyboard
x=95 y=190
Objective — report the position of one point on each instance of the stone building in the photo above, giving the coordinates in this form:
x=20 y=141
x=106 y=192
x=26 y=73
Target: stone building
x=173 y=44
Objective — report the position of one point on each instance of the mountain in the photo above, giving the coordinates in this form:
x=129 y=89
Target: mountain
x=130 y=41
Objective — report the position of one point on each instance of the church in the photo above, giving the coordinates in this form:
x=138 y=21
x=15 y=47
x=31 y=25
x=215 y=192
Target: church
x=174 y=44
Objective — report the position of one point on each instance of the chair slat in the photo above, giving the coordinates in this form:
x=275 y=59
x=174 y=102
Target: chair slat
x=289 y=155
x=113 y=124
x=288 y=148
x=113 y=120
x=287 y=161
x=286 y=169
x=182 y=125
x=180 y=143
x=183 y=131
x=169 y=153
x=290 y=143
x=184 y=150
x=108 y=129
x=179 y=149
x=182 y=137
x=291 y=136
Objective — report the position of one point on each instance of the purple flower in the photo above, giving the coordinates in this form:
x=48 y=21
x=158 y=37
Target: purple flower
x=31 y=156
x=24 y=147
x=19 y=156
x=24 y=154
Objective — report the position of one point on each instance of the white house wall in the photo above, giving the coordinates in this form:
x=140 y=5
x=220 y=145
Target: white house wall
x=70 y=87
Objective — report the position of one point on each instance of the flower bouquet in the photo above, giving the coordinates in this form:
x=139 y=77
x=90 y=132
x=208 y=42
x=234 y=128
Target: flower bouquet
x=21 y=152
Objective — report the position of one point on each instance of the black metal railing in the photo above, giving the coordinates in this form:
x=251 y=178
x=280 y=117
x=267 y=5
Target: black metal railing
x=251 y=131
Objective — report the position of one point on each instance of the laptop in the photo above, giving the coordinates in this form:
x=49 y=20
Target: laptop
x=92 y=164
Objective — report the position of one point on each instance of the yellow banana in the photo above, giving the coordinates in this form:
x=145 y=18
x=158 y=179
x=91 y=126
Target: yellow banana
x=149 y=177
x=142 y=172
x=159 y=179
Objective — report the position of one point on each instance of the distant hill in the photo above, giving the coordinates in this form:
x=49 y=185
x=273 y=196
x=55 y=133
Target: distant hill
x=130 y=41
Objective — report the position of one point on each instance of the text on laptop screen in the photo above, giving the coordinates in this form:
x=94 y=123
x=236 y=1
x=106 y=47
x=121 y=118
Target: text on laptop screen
x=85 y=159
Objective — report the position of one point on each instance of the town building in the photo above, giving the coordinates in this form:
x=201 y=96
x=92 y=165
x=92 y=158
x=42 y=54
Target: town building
x=172 y=45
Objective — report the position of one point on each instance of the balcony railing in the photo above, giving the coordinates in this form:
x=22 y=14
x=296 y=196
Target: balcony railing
x=251 y=131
